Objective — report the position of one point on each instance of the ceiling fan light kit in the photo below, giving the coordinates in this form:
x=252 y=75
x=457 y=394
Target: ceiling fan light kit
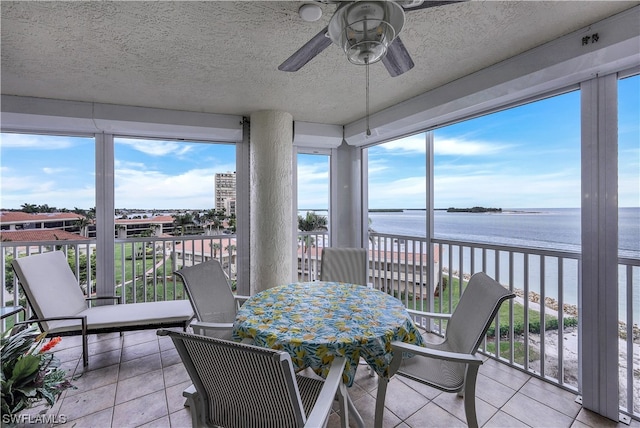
x=310 y=12
x=365 y=29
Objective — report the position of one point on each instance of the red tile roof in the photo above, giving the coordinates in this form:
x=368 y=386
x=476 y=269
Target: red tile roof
x=39 y=235
x=22 y=217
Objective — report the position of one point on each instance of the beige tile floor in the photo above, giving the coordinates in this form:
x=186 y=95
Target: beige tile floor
x=136 y=380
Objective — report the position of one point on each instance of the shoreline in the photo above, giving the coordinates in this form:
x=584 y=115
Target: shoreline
x=568 y=310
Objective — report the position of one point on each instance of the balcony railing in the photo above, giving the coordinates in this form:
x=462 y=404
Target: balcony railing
x=537 y=332
x=143 y=266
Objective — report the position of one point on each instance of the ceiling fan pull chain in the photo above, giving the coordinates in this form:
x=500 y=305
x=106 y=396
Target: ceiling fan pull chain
x=367 y=112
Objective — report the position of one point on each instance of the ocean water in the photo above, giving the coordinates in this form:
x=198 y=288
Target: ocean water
x=557 y=229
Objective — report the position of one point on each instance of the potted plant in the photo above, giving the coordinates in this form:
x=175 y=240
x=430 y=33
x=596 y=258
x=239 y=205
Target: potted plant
x=30 y=372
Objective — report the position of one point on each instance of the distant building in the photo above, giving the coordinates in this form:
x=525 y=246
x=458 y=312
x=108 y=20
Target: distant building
x=225 y=191
x=161 y=225
x=18 y=220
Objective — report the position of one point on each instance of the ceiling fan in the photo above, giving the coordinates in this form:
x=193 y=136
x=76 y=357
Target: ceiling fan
x=368 y=31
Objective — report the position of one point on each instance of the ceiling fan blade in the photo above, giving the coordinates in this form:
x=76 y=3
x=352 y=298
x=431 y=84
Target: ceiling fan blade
x=307 y=52
x=431 y=3
x=397 y=59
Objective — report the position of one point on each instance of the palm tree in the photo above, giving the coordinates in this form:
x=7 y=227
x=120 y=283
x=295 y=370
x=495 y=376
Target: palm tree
x=83 y=224
x=29 y=208
x=312 y=222
x=182 y=220
x=215 y=247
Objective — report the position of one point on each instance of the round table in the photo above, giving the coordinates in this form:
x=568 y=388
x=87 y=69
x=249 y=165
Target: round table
x=315 y=321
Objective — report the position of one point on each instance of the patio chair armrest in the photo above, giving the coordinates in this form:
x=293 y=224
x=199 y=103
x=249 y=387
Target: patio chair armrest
x=457 y=357
x=81 y=318
x=212 y=325
x=429 y=314
x=240 y=299
x=118 y=299
x=332 y=383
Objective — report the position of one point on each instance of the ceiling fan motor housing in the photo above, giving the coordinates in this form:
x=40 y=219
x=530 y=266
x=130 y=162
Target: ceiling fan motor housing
x=364 y=29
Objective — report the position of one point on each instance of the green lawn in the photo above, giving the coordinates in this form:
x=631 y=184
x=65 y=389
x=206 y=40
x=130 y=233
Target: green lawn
x=551 y=322
x=164 y=286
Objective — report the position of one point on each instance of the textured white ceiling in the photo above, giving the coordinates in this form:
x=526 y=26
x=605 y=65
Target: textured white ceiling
x=222 y=56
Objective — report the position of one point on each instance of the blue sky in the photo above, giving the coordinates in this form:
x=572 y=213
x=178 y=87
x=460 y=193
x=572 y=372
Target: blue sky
x=526 y=157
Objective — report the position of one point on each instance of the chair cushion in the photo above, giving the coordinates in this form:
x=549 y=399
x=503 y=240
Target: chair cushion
x=50 y=285
x=121 y=316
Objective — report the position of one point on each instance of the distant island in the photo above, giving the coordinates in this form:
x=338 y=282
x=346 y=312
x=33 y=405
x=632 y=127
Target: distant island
x=474 y=210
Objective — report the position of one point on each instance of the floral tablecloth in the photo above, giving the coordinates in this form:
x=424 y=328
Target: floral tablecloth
x=315 y=321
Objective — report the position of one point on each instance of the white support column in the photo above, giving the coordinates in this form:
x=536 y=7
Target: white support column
x=434 y=267
x=105 y=221
x=270 y=167
x=346 y=197
x=243 y=210
x=598 y=299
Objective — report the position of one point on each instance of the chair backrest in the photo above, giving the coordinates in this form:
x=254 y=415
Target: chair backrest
x=240 y=385
x=474 y=313
x=344 y=265
x=50 y=285
x=209 y=291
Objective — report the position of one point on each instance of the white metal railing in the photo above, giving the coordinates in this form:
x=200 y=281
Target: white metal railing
x=143 y=266
x=308 y=254
x=545 y=281
x=538 y=331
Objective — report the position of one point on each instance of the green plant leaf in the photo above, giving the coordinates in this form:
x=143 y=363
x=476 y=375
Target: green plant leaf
x=25 y=367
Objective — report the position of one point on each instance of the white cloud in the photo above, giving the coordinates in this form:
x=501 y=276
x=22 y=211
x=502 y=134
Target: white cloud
x=463 y=147
x=466 y=186
x=412 y=144
x=21 y=189
x=555 y=190
x=377 y=167
x=153 y=189
x=309 y=173
x=313 y=185
x=53 y=171
x=157 y=147
x=407 y=192
x=459 y=146
x=41 y=142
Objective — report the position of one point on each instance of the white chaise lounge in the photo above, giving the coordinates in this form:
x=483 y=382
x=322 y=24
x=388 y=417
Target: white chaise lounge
x=61 y=309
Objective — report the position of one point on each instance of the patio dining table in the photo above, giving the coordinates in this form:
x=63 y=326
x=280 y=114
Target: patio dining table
x=316 y=321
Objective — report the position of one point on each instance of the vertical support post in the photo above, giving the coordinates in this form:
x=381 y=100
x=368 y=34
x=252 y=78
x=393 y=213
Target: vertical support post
x=598 y=298
x=105 y=221
x=433 y=267
x=346 y=197
x=243 y=211
x=270 y=167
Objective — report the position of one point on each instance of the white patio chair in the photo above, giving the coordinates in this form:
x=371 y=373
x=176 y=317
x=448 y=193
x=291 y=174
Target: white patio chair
x=61 y=309
x=451 y=365
x=212 y=299
x=347 y=265
x=236 y=385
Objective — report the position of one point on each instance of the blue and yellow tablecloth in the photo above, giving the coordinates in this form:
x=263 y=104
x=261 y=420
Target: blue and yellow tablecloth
x=315 y=321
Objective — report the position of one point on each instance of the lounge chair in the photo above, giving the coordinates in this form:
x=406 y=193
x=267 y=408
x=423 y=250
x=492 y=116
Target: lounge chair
x=60 y=306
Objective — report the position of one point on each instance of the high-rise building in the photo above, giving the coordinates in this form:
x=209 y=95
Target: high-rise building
x=225 y=183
